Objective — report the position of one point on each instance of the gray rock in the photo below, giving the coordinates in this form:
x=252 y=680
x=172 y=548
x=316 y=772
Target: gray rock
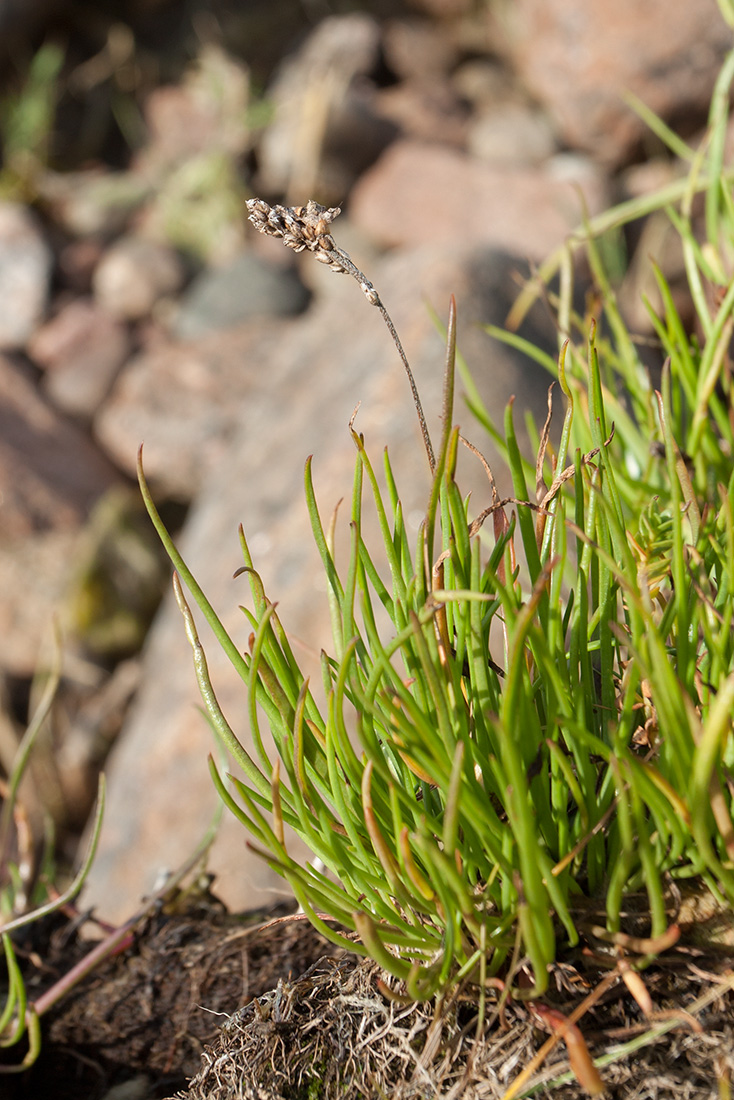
x=25 y=272
x=221 y=297
x=512 y=134
x=300 y=401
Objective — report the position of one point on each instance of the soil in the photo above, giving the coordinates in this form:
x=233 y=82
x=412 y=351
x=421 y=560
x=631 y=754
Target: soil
x=145 y=1016
x=205 y=1005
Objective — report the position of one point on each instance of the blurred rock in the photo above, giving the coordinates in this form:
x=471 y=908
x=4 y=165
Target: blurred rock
x=320 y=113
x=511 y=134
x=119 y=573
x=443 y=8
x=420 y=193
x=485 y=83
x=92 y=202
x=81 y=350
x=50 y=476
x=25 y=272
x=207 y=109
x=426 y=110
x=35 y=571
x=133 y=275
x=418 y=49
x=221 y=297
x=76 y=262
x=184 y=401
x=579 y=57
x=308 y=380
x=199 y=132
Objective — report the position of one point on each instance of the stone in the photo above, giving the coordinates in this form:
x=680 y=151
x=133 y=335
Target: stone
x=50 y=476
x=316 y=105
x=426 y=110
x=93 y=201
x=511 y=134
x=81 y=350
x=50 y=473
x=133 y=275
x=183 y=400
x=199 y=133
x=422 y=193
x=579 y=57
x=76 y=261
x=310 y=376
x=35 y=572
x=25 y=273
x=484 y=83
x=208 y=107
x=225 y=296
x=418 y=49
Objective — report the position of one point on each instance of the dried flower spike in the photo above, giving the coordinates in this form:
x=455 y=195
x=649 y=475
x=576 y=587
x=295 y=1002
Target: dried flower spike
x=308 y=228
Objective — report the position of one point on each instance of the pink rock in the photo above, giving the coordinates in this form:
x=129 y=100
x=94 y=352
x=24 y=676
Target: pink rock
x=579 y=57
x=82 y=349
x=134 y=274
x=426 y=110
x=182 y=400
x=421 y=193
x=25 y=271
x=50 y=475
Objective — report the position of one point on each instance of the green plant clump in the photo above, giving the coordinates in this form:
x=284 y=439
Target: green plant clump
x=549 y=717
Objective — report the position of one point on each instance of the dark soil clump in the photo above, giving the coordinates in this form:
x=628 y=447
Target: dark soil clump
x=147 y=1014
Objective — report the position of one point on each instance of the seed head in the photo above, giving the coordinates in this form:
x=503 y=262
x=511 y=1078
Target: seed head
x=307 y=227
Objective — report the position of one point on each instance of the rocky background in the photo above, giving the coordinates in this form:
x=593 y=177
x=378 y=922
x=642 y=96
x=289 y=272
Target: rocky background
x=464 y=139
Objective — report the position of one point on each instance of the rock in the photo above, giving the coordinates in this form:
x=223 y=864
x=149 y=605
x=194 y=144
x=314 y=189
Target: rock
x=579 y=57
x=417 y=49
x=50 y=476
x=133 y=275
x=184 y=401
x=81 y=349
x=317 y=106
x=484 y=83
x=511 y=134
x=35 y=571
x=426 y=110
x=207 y=109
x=301 y=397
x=76 y=262
x=420 y=193
x=92 y=202
x=222 y=297
x=199 y=132
x=25 y=272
